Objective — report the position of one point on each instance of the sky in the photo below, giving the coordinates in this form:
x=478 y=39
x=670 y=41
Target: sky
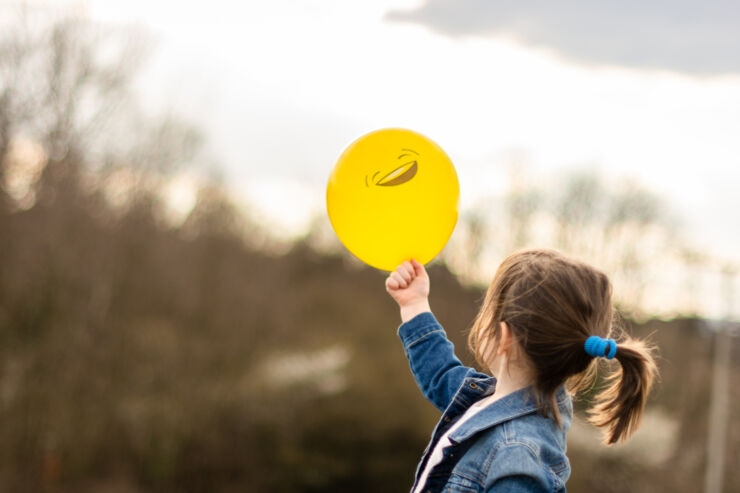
x=681 y=35
x=646 y=91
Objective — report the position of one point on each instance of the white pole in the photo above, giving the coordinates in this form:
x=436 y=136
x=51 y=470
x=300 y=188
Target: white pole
x=719 y=410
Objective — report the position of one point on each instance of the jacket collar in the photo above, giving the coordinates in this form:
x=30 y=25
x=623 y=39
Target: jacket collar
x=511 y=406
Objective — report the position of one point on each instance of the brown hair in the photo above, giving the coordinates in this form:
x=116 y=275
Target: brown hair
x=552 y=304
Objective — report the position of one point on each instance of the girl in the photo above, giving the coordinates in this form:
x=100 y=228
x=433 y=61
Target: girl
x=544 y=322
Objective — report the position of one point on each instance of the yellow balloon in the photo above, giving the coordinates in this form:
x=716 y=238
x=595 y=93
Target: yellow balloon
x=392 y=196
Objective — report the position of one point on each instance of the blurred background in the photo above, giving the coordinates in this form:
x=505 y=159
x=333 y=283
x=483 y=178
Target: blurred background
x=176 y=313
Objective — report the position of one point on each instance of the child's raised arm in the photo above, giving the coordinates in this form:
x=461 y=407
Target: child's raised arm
x=438 y=372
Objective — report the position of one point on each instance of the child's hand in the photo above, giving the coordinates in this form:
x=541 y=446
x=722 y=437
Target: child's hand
x=408 y=285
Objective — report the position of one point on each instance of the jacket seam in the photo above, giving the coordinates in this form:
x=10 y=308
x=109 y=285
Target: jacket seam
x=529 y=447
x=489 y=460
x=422 y=337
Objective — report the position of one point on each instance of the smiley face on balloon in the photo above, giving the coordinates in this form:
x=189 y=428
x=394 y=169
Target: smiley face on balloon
x=393 y=195
x=402 y=174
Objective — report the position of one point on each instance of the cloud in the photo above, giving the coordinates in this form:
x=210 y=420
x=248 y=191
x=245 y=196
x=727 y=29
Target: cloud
x=689 y=36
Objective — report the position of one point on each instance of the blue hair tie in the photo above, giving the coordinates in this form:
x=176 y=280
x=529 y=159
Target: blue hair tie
x=596 y=346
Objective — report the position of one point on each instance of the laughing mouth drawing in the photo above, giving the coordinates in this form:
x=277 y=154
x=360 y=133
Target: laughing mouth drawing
x=401 y=174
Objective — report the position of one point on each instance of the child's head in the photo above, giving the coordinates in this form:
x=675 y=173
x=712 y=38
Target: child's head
x=552 y=304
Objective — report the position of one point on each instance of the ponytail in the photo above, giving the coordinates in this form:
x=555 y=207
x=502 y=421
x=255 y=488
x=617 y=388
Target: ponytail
x=620 y=405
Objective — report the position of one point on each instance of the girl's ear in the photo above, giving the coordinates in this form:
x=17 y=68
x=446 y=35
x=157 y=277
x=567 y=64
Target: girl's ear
x=504 y=339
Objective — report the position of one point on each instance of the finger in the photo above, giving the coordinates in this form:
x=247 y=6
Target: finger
x=418 y=267
x=402 y=283
x=399 y=272
x=404 y=273
x=410 y=267
x=391 y=283
x=398 y=278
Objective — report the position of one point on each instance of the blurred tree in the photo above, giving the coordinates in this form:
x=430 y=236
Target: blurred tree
x=14 y=109
x=620 y=226
x=72 y=306
x=578 y=206
x=66 y=83
x=523 y=199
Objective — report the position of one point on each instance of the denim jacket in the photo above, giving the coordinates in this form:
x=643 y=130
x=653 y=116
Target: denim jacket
x=508 y=446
